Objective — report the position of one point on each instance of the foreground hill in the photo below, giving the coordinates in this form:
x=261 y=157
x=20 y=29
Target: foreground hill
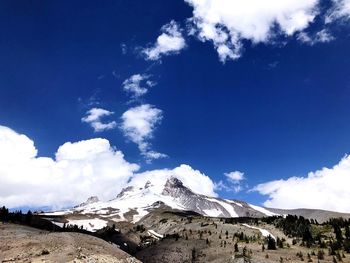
x=26 y=244
x=177 y=236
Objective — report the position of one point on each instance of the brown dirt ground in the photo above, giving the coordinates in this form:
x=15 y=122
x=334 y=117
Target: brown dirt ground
x=25 y=244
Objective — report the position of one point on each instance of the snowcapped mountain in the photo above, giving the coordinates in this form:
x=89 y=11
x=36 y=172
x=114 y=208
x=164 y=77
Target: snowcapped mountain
x=90 y=200
x=132 y=203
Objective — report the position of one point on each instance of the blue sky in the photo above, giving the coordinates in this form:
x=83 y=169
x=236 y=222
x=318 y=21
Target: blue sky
x=279 y=110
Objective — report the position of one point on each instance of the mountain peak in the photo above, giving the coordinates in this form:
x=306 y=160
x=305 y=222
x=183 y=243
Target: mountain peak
x=173 y=182
x=124 y=191
x=175 y=188
x=90 y=200
x=148 y=184
x=142 y=198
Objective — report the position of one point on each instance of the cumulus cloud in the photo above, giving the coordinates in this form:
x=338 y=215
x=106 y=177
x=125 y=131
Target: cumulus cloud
x=94 y=116
x=169 y=42
x=327 y=189
x=322 y=36
x=230 y=24
x=138 y=125
x=138 y=84
x=79 y=170
x=226 y=23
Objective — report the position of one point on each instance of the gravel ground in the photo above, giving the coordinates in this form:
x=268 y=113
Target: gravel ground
x=25 y=244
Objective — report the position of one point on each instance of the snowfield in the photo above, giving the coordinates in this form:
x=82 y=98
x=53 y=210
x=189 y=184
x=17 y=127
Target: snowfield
x=89 y=224
x=263 y=210
x=229 y=208
x=264 y=232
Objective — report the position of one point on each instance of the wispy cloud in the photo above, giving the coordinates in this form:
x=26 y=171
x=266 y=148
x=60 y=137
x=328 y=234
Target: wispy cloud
x=235 y=177
x=138 y=125
x=171 y=41
x=322 y=36
x=339 y=10
x=138 y=84
x=232 y=183
x=94 y=116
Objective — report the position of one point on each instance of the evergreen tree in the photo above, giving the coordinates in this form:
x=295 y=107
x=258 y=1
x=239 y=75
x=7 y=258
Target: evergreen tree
x=338 y=233
x=193 y=255
x=236 y=247
x=271 y=243
x=28 y=218
x=320 y=255
x=347 y=232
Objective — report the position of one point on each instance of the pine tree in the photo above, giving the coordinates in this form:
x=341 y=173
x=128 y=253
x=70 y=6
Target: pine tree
x=347 y=232
x=236 y=247
x=320 y=255
x=271 y=243
x=28 y=217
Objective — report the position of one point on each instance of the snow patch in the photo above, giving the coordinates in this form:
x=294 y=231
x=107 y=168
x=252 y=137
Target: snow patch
x=155 y=234
x=229 y=208
x=89 y=224
x=233 y=202
x=263 y=210
x=57 y=213
x=212 y=212
x=264 y=232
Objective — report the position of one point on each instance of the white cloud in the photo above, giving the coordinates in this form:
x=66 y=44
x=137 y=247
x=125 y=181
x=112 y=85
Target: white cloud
x=94 y=116
x=235 y=177
x=322 y=36
x=227 y=22
x=138 y=125
x=79 y=170
x=134 y=84
x=193 y=179
x=327 y=189
x=169 y=42
x=340 y=10
x=233 y=182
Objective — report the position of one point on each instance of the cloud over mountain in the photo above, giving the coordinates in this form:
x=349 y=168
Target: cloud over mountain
x=327 y=189
x=79 y=170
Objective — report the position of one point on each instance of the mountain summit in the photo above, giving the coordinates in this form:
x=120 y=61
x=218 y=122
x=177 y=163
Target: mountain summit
x=132 y=203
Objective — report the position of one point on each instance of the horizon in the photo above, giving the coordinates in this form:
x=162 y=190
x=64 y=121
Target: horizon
x=240 y=100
